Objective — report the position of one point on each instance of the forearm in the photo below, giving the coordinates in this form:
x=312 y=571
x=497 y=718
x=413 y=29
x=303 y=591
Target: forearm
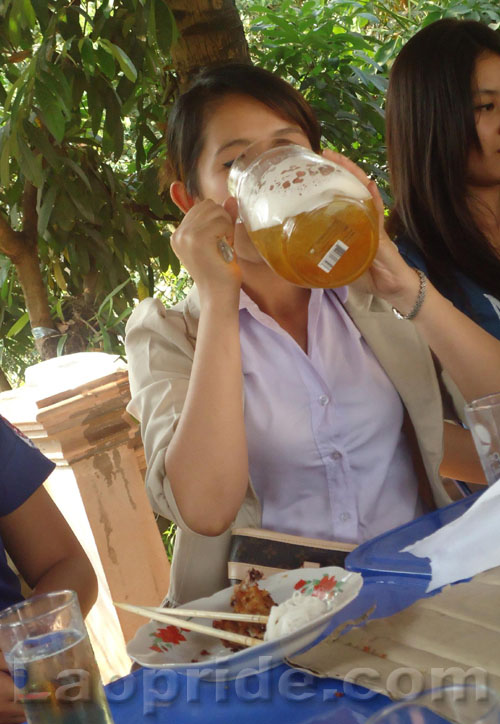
x=460 y=459
x=207 y=459
x=465 y=350
x=470 y=355
x=75 y=573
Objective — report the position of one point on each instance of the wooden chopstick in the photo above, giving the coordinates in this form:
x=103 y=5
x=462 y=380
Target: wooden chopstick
x=190 y=625
x=198 y=613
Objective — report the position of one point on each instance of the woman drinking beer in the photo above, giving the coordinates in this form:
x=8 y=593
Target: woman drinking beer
x=443 y=142
x=264 y=404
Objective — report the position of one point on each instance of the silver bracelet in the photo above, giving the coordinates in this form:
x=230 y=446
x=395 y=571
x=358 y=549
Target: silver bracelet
x=420 y=298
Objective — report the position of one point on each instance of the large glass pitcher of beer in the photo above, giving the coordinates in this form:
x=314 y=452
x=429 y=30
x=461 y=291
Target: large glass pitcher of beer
x=312 y=221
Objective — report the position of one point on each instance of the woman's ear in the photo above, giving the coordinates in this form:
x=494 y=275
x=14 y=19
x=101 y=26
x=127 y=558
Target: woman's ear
x=180 y=196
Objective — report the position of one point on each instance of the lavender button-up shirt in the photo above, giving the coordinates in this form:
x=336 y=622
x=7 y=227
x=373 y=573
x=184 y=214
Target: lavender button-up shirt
x=328 y=458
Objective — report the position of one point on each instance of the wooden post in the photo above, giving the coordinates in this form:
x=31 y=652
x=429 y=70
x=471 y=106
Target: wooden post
x=101 y=443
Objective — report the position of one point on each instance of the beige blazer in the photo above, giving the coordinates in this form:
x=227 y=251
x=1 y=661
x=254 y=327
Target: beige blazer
x=160 y=347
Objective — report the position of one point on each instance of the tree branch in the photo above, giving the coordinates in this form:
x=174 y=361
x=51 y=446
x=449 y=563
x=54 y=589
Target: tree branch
x=23 y=248
x=146 y=211
x=4 y=382
x=19 y=56
x=30 y=215
x=11 y=242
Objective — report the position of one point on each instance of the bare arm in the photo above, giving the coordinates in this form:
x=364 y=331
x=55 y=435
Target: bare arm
x=207 y=458
x=460 y=458
x=465 y=350
x=469 y=354
x=45 y=550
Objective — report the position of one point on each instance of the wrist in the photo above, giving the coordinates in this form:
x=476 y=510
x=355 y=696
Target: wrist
x=223 y=303
x=408 y=302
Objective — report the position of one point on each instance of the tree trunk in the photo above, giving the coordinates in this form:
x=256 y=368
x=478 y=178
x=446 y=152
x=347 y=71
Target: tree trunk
x=35 y=295
x=22 y=250
x=4 y=382
x=211 y=32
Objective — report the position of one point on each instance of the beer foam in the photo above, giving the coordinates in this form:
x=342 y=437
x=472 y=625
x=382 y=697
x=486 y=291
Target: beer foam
x=294 y=186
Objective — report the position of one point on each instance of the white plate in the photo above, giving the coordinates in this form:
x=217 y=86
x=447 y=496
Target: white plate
x=160 y=646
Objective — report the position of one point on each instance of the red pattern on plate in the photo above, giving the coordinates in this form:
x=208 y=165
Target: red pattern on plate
x=319 y=587
x=165 y=638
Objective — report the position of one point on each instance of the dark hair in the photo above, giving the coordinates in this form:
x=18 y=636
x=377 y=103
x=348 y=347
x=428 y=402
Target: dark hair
x=430 y=132
x=187 y=118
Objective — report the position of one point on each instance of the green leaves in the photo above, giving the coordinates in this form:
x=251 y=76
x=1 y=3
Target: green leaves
x=77 y=82
x=113 y=127
x=18 y=325
x=21 y=18
x=103 y=55
x=5 y=155
x=166 y=29
x=124 y=61
x=51 y=111
x=95 y=107
x=46 y=209
x=29 y=163
x=105 y=61
x=87 y=54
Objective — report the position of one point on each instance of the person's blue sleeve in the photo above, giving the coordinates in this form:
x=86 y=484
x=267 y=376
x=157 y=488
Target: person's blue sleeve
x=411 y=254
x=23 y=468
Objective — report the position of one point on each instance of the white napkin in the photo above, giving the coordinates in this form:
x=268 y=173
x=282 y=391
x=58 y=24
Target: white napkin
x=466 y=546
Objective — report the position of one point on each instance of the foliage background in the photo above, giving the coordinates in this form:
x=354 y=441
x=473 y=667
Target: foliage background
x=85 y=89
x=339 y=54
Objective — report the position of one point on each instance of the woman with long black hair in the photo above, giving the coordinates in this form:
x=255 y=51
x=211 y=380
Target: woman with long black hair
x=443 y=143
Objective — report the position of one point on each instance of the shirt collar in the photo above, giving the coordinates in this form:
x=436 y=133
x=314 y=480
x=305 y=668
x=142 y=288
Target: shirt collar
x=246 y=302
x=340 y=292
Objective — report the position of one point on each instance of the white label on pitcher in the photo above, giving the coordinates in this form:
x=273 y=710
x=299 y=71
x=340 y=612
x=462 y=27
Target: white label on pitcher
x=332 y=256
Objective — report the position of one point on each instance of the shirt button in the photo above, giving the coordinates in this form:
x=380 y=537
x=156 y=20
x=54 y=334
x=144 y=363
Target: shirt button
x=336 y=455
x=324 y=400
x=345 y=516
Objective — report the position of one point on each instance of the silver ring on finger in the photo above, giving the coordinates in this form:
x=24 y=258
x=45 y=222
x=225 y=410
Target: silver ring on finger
x=225 y=250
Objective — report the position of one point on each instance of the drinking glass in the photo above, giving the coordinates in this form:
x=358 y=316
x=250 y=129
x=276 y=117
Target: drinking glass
x=483 y=418
x=48 y=652
x=459 y=703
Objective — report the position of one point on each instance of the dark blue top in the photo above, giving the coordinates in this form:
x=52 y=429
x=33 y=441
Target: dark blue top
x=23 y=469
x=481 y=307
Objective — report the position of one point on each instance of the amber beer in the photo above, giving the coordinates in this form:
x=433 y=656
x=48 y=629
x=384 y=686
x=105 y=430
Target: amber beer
x=313 y=221
x=345 y=244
